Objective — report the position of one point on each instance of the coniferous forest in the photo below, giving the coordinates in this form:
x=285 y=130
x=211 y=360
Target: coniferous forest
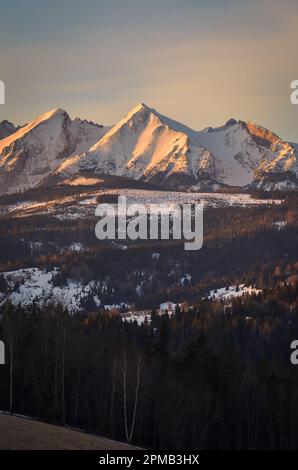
x=215 y=375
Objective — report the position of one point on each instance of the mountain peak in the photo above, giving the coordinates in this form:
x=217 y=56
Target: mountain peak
x=139 y=108
x=140 y=111
x=231 y=122
x=43 y=118
x=51 y=114
x=6 y=128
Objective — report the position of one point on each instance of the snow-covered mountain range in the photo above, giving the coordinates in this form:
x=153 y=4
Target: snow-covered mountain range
x=145 y=145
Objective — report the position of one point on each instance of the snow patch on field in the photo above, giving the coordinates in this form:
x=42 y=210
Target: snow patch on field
x=141 y=319
x=76 y=247
x=135 y=196
x=72 y=208
x=280 y=225
x=30 y=285
x=232 y=292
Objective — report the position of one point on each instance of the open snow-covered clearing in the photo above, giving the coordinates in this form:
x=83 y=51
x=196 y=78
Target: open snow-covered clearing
x=74 y=207
x=232 y=292
x=135 y=196
x=140 y=319
x=36 y=285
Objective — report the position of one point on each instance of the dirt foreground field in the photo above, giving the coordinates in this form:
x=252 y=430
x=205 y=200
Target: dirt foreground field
x=17 y=433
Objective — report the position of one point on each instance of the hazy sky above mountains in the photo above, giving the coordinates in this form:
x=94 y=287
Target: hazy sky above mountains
x=197 y=61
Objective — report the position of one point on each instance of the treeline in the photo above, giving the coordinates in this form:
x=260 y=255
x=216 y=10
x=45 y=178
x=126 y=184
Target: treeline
x=217 y=377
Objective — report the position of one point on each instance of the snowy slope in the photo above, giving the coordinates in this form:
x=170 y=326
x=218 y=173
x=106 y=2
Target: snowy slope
x=26 y=286
x=232 y=291
x=28 y=155
x=237 y=156
x=245 y=151
x=279 y=167
x=145 y=145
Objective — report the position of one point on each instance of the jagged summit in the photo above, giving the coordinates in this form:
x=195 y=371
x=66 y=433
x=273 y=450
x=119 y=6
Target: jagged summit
x=6 y=128
x=56 y=113
x=231 y=122
x=139 y=108
x=5 y=122
x=31 y=153
x=262 y=133
x=52 y=113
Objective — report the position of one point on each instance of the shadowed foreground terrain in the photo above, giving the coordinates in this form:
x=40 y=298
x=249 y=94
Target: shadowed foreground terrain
x=24 y=434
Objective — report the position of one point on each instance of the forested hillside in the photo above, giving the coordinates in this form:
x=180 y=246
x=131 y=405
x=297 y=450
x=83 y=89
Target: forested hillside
x=217 y=377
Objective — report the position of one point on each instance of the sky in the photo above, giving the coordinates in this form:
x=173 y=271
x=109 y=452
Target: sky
x=200 y=62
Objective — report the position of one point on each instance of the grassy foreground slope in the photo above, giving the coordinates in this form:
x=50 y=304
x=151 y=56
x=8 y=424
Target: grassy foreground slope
x=17 y=433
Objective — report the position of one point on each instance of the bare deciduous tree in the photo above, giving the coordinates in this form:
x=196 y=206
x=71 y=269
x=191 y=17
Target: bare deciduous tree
x=129 y=430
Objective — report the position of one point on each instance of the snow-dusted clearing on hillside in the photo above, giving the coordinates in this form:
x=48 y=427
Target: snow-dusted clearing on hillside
x=36 y=285
x=232 y=292
x=146 y=197
x=72 y=207
x=139 y=318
